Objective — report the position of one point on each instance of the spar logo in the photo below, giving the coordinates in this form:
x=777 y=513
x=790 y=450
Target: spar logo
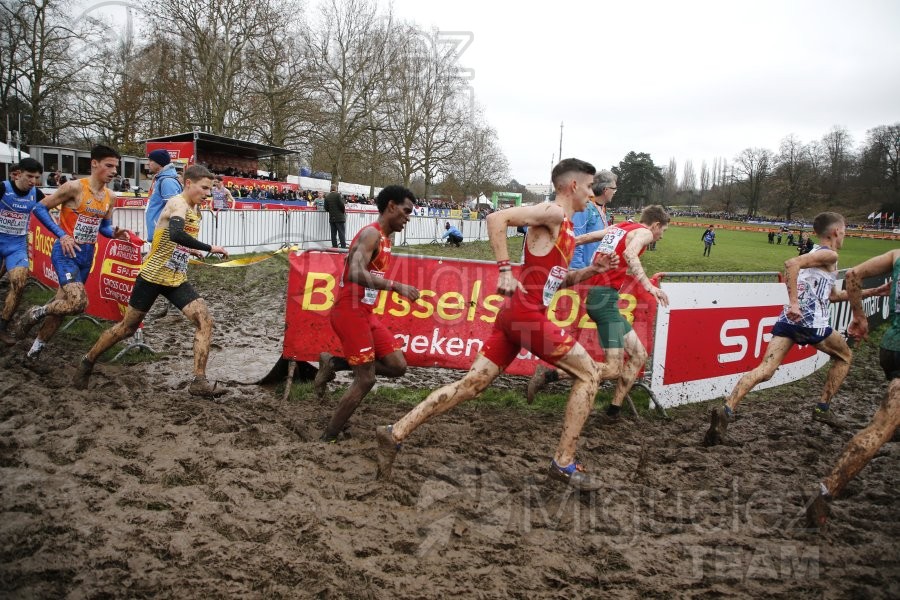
x=704 y=343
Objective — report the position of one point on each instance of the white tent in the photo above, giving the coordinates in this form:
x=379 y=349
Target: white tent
x=8 y=154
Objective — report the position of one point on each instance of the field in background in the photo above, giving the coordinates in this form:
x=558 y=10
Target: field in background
x=681 y=250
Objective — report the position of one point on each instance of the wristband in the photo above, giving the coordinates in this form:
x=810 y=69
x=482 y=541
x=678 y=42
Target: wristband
x=506 y=269
x=503 y=263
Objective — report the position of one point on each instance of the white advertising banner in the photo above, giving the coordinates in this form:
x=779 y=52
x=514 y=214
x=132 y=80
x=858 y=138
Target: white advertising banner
x=713 y=333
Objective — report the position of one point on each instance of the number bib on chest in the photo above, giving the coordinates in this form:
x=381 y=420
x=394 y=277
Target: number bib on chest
x=611 y=240
x=86 y=228
x=554 y=281
x=370 y=296
x=13 y=223
x=179 y=261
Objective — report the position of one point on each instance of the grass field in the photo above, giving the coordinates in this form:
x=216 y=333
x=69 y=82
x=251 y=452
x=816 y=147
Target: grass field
x=681 y=250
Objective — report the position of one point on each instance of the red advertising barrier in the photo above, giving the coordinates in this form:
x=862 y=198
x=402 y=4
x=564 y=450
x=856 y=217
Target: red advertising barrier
x=179 y=151
x=274 y=186
x=116 y=264
x=448 y=324
x=713 y=333
x=130 y=202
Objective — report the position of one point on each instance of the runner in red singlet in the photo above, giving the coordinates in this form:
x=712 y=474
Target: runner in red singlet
x=370 y=349
x=522 y=321
x=628 y=241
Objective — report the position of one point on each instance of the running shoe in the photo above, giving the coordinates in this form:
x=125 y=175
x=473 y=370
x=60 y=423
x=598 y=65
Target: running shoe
x=83 y=376
x=200 y=386
x=574 y=476
x=324 y=375
x=829 y=418
x=28 y=320
x=387 y=451
x=536 y=383
x=718 y=424
x=818 y=510
x=605 y=418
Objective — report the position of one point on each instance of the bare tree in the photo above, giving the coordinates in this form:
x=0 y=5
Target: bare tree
x=47 y=64
x=791 y=174
x=688 y=179
x=670 y=187
x=838 y=147
x=348 y=58
x=752 y=168
x=479 y=163
x=704 y=180
x=213 y=38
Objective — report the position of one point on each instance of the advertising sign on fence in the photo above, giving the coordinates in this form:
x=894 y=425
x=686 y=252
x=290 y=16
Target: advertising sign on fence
x=116 y=264
x=713 y=333
x=448 y=324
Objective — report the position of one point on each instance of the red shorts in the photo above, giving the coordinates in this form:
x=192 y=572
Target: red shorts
x=518 y=327
x=363 y=336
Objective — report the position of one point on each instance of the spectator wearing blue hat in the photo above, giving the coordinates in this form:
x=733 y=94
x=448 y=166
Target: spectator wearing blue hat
x=165 y=185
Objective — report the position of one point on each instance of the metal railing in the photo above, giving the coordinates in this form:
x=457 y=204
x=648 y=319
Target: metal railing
x=244 y=231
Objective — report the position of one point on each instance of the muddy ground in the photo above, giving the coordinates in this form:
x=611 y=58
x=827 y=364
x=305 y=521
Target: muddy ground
x=135 y=489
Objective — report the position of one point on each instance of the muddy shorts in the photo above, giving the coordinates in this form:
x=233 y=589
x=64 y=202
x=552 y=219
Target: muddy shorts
x=602 y=307
x=14 y=251
x=72 y=270
x=363 y=336
x=801 y=335
x=517 y=327
x=890 y=362
x=145 y=293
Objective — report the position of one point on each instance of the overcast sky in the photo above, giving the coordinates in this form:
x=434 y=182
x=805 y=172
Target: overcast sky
x=690 y=80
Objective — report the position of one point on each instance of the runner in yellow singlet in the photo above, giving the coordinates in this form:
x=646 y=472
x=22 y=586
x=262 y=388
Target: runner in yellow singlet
x=165 y=273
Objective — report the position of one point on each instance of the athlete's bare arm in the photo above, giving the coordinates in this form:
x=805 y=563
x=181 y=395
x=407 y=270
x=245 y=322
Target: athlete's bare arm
x=635 y=241
x=820 y=259
x=878 y=265
x=543 y=222
x=361 y=253
x=605 y=262
x=592 y=236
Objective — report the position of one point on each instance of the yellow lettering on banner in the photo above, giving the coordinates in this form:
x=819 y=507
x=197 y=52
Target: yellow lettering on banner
x=427 y=306
x=586 y=322
x=321 y=284
x=492 y=305
x=628 y=311
x=118 y=268
x=573 y=311
x=451 y=301
x=403 y=304
x=43 y=243
x=473 y=300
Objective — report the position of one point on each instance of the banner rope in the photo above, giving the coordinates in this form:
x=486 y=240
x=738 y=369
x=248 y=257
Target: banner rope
x=248 y=260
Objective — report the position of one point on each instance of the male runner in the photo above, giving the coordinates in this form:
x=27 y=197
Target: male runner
x=522 y=322
x=593 y=217
x=860 y=450
x=369 y=347
x=221 y=196
x=810 y=285
x=164 y=272
x=628 y=241
x=18 y=200
x=86 y=209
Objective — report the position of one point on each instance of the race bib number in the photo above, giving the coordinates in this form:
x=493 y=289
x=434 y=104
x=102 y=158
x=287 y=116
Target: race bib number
x=554 y=281
x=370 y=296
x=611 y=240
x=179 y=261
x=86 y=228
x=13 y=223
